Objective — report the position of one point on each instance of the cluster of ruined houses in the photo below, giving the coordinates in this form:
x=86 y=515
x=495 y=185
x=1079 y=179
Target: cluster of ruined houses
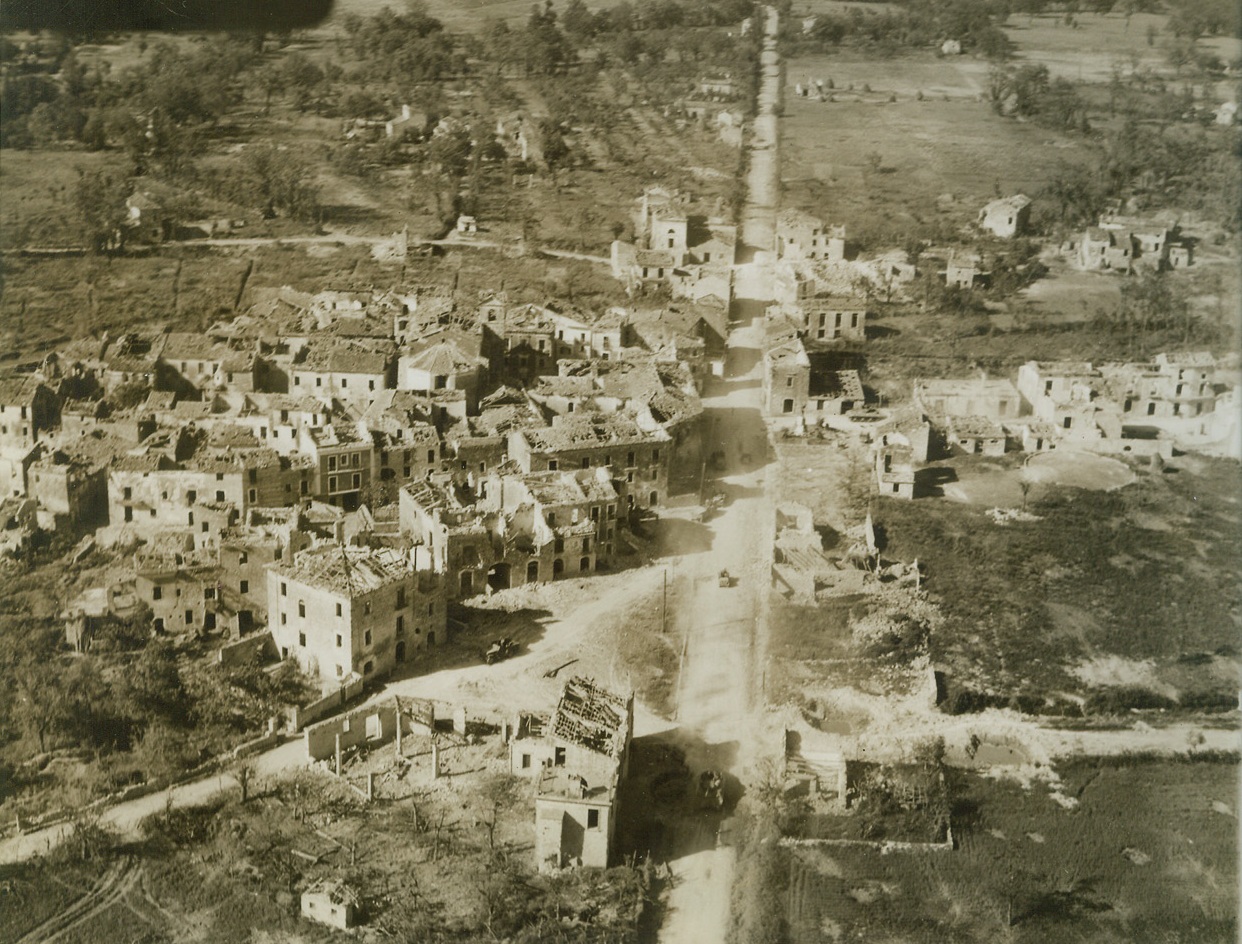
x=1184 y=399
x=518 y=133
x=448 y=446
x=1118 y=243
x=574 y=759
x=715 y=104
x=678 y=245
x=819 y=298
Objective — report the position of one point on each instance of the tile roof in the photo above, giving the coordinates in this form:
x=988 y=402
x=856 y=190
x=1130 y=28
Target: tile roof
x=584 y=430
x=16 y=390
x=444 y=359
x=591 y=716
x=350 y=571
x=191 y=346
x=343 y=357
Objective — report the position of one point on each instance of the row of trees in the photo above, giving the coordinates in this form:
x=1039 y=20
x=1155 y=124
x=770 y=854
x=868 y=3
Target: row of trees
x=408 y=48
x=550 y=42
x=973 y=23
x=1184 y=166
x=276 y=181
x=1030 y=92
x=184 y=85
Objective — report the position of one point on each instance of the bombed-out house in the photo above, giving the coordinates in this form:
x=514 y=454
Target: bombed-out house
x=342 y=611
x=577 y=759
x=1007 y=217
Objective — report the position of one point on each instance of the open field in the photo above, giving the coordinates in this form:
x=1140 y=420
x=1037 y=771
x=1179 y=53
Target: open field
x=1087 y=51
x=958 y=78
x=1029 y=870
x=39 y=189
x=938 y=162
x=1097 y=605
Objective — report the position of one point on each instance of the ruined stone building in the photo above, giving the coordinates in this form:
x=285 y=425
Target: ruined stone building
x=341 y=611
x=577 y=760
x=1007 y=217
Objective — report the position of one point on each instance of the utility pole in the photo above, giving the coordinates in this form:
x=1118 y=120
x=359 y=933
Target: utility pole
x=664 y=606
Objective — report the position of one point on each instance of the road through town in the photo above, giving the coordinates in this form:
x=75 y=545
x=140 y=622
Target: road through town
x=721 y=697
x=721 y=694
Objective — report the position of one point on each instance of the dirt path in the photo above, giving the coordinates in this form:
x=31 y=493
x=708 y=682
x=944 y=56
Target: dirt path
x=721 y=692
x=520 y=682
x=353 y=239
x=763 y=180
x=121 y=876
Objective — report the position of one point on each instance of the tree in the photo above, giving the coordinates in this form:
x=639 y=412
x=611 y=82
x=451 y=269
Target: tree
x=359 y=103
x=39 y=704
x=271 y=81
x=89 y=838
x=99 y=198
x=169 y=144
x=302 y=78
x=163 y=751
x=152 y=688
x=450 y=152
x=95 y=131
x=504 y=900
x=555 y=149
x=279 y=180
x=244 y=774
x=578 y=21
x=546 y=50
x=1076 y=192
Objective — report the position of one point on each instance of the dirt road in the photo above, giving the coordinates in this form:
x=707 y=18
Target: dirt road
x=763 y=180
x=353 y=239
x=112 y=886
x=721 y=695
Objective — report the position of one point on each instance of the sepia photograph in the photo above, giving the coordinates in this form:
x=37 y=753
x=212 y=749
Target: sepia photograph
x=620 y=471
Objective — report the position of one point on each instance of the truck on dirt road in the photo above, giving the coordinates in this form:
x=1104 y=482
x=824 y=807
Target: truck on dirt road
x=499 y=650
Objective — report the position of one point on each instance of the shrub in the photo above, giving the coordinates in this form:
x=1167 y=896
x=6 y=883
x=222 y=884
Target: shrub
x=1125 y=698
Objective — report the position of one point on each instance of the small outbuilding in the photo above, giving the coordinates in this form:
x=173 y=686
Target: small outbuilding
x=1008 y=217
x=331 y=902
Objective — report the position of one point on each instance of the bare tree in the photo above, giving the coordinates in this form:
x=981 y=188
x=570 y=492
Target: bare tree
x=437 y=831
x=244 y=773
x=1025 y=484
